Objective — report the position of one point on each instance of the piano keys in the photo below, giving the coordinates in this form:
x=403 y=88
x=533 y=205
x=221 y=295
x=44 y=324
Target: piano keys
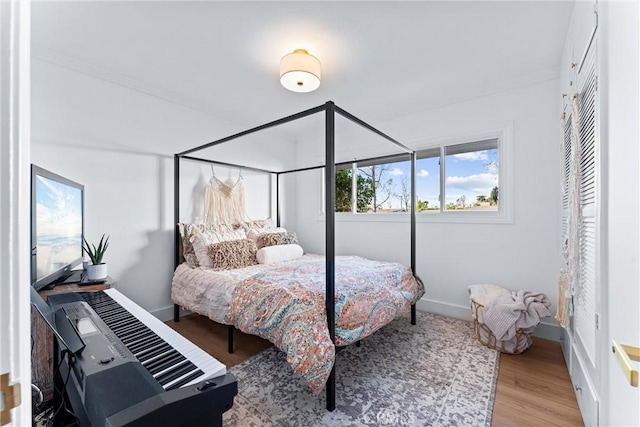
x=135 y=370
x=172 y=359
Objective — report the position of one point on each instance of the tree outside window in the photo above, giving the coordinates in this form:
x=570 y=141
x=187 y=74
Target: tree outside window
x=461 y=178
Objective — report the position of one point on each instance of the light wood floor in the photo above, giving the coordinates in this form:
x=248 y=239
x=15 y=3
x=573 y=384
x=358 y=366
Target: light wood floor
x=533 y=388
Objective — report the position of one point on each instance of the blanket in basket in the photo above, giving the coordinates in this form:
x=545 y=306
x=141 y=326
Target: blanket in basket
x=518 y=310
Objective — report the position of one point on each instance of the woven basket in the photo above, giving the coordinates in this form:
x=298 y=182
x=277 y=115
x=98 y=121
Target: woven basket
x=516 y=345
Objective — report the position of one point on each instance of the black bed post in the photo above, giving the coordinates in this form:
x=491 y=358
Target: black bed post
x=330 y=209
x=277 y=200
x=413 y=227
x=176 y=220
x=230 y=329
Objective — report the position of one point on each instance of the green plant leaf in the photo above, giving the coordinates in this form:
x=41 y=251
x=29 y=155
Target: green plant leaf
x=96 y=253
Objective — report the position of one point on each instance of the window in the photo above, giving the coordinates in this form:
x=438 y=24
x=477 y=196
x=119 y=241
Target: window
x=428 y=180
x=381 y=185
x=472 y=172
x=450 y=178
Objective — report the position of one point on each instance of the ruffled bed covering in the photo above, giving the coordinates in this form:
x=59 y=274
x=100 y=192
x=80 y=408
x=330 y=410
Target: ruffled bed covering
x=208 y=292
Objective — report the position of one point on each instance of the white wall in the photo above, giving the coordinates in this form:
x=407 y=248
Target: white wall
x=90 y=130
x=524 y=254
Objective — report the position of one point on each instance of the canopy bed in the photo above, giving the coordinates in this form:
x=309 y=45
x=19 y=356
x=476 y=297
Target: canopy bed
x=377 y=291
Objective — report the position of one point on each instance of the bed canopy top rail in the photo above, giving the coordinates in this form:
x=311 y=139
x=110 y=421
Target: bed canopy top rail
x=366 y=125
x=258 y=128
x=293 y=117
x=330 y=166
x=231 y=165
x=380 y=159
x=368 y=160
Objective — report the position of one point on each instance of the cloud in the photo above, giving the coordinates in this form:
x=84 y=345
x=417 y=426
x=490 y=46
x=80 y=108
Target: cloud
x=481 y=183
x=396 y=172
x=493 y=167
x=423 y=172
x=472 y=156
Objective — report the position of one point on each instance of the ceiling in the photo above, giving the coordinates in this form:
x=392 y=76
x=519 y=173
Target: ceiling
x=380 y=60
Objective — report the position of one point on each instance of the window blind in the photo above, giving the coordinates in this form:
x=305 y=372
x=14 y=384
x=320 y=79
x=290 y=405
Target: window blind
x=488 y=144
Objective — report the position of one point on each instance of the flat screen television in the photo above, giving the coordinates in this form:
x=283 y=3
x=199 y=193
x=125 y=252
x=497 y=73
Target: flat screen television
x=57 y=227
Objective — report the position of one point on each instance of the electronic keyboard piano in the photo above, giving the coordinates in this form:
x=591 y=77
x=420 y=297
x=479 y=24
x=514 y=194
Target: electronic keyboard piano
x=131 y=369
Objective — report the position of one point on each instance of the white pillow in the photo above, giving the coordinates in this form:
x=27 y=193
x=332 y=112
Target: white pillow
x=201 y=242
x=255 y=233
x=278 y=253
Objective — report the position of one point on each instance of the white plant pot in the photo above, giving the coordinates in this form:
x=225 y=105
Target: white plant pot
x=97 y=272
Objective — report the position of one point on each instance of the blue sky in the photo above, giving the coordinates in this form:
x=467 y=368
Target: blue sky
x=470 y=174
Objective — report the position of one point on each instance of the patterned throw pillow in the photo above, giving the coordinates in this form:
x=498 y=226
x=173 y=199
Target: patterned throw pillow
x=258 y=224
x=187 y=230
x=273 y=239
x=255 y=233
x=233 y=254
x=201 y=242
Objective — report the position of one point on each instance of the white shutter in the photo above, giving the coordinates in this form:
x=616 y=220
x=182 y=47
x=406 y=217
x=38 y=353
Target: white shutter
x=566 y=171
x=585 y=297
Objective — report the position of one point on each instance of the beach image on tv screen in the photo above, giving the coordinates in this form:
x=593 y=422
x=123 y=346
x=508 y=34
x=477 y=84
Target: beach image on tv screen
x=58 y=225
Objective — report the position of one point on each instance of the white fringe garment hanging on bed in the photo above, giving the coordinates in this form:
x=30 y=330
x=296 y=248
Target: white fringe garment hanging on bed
x=224 y=202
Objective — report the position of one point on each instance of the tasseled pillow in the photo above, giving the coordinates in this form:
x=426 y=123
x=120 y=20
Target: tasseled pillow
x=273 y=239
x=233 y=254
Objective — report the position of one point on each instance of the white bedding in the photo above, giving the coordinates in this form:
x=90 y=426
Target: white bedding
x=208 y=292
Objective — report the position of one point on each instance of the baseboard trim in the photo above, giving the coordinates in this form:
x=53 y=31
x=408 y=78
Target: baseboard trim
x=547 y=329
x=444 y=309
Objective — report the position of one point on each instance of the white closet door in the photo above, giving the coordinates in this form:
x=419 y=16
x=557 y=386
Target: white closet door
x=586 y=298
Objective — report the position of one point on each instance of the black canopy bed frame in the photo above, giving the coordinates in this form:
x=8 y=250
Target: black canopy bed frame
x=330 y=110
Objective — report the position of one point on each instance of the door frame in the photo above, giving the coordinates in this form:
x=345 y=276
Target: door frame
x=15 y=99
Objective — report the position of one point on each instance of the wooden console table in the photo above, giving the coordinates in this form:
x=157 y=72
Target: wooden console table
x=42 y=339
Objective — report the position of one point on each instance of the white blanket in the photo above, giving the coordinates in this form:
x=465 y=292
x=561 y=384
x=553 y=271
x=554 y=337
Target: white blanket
x=508 y=312
x=483 y=295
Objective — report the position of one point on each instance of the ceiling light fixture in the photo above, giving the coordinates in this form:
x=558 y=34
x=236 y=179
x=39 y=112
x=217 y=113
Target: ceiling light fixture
x=300 y=71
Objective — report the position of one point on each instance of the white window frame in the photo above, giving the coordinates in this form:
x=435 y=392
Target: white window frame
x=504 y=214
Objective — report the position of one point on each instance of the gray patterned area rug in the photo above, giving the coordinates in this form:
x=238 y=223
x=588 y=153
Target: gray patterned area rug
x=432 y=374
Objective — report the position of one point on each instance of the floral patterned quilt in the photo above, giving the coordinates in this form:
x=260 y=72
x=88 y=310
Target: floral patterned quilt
x=286 y=305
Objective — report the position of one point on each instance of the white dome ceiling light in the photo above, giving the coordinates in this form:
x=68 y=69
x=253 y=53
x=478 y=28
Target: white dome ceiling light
x=300 y=71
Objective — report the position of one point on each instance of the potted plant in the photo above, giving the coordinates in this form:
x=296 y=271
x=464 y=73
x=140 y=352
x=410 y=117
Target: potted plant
x=98 y=269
